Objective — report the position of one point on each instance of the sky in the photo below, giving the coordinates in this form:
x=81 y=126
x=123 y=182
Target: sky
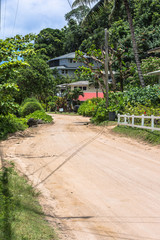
x=31 y=16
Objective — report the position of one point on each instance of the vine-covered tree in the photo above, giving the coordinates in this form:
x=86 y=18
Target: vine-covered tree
x=49 y=43
x=128 y=11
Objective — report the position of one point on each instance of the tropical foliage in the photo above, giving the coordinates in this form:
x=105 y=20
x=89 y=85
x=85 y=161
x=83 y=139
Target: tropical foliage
x=135 y=101
x=133 y=28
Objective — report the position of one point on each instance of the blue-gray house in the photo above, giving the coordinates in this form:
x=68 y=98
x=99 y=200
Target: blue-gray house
x=66 y=65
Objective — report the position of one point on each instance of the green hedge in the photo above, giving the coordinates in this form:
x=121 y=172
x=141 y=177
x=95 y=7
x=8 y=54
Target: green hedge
x=30 y=107
x=40 y=115
x=11 y=124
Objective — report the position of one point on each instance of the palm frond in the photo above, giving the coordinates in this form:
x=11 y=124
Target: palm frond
x=83 y=2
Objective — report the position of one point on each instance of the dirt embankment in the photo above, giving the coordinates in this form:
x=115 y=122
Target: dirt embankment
x=95 y=185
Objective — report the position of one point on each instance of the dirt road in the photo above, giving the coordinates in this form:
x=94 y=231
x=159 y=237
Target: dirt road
x=95 y=185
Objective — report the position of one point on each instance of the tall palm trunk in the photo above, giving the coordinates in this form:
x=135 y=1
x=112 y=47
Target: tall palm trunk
x=134 y=44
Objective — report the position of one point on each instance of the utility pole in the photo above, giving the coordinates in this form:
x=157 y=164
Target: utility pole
x=106 y=67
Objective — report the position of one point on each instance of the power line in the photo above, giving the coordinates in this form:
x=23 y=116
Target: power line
x=15 y=17
x=69 y=4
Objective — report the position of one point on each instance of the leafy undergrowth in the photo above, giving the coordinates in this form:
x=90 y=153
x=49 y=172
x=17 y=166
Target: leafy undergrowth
x=11 y=123
x=40 y=115
x=21 y=216
x=143 y=134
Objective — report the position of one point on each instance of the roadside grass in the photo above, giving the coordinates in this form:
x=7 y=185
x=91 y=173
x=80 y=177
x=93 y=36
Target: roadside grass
x=21 y=216
x=105 y=123
x=142 y=134
x=65 y=113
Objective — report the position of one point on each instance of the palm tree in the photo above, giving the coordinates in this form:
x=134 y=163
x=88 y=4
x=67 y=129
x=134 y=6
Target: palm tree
x=130 y=21
x=76 y=93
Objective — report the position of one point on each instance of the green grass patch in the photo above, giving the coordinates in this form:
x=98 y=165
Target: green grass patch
x=104 y=123
x=143 y=134
x=21 y=216
x=65 y=113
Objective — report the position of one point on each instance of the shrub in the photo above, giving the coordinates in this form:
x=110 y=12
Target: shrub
x=140 y=109
x=89 y=107
x=143 y=95
x=32 y=99
x=40 y=115
x=11 y=124
x=30 y=107
x=101 y=115
x=135 y=101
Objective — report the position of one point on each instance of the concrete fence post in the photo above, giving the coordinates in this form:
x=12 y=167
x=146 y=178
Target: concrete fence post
x=132 y=120
x=142 y=119
x=118 y=119
x=152 y=122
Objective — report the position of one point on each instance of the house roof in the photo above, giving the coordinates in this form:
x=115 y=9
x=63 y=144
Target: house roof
x=68 y=55
x=154 y=50
x=79 y=83
x=89 y=95
x=64 y=67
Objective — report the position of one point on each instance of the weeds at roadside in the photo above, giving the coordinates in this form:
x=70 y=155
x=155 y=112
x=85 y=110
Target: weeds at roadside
x=65 y=113
x=149 y=136
x=21 y=216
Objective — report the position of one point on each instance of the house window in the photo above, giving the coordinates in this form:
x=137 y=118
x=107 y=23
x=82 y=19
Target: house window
x=70 y=60
x=75 y=87
x=84 y=88
x=64 y=71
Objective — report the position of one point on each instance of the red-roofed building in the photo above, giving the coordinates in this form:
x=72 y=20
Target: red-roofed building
x=89 y=91
x=89 y=95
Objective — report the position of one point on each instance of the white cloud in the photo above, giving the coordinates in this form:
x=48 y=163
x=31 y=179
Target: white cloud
x=32 y=16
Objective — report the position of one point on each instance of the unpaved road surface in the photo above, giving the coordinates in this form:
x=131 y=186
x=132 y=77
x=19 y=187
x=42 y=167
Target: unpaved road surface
x=95 y=185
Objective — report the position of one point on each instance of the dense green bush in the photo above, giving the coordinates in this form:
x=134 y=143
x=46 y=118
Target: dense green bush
x=96 y=107
x=89 y=107
x=11 y=124
x=143 y=95
x=40 y=115
x=139 y=109
x=30 y=107
x=7 y=101
x=32 y=99
x=135 y=101
x=101 y=115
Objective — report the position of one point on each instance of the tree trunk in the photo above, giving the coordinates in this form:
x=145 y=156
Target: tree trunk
x=121 y=75
x=96 y=92
x=105 y=78
x=134 y=43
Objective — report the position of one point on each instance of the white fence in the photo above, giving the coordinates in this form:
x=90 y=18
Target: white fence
x=129 y=120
